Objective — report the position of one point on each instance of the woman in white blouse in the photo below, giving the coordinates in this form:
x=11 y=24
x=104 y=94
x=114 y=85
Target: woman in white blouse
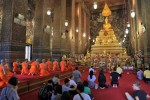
x=91 y=79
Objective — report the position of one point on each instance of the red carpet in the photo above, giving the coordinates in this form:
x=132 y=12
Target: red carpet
x=125 y=84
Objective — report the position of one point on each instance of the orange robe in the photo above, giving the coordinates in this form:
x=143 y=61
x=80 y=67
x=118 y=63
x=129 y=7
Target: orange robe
x=63 y=66
x=16 y=67
x=5 y=77
x=69 y=65
x=55 y=66
x=25 y=69
x=49 y=65
x=43 y=70
x=34 y=68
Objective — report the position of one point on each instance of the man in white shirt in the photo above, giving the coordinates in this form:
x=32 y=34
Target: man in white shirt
x=56 y=79
x=91 y=69
x=81 y=95
x=72 y=82
x=66 y=87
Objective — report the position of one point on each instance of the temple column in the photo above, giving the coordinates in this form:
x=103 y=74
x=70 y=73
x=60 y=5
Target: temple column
x=73 y=27
x=13 y=34
x=76 y=27
x=41 y=47
x=86 y=35
x=145 y=21
x=65 y=30
x=59 y=42
x=80 y=28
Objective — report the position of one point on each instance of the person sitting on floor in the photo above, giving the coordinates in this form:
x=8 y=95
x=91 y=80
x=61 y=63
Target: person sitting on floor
x=138 y=94
x=56 y=80
x=147 y=75
x=77 y=75
x=55 y=65
x=49 y=65
x=25 y=69
x=5 y=74
x=66 y=87
x=16 y=68
x=43 y=68
x=102 y=80
x=34 y=70
x=65 y=95
x=91 y=79
x=57 y=93
x=72 y=82
x=50 y=89
x=91 y=69
x=81 y=95
x=140 y=74
x=63 y=65
x=114 y=76
x=87 y=90
x=10 y=92
x=119 y=70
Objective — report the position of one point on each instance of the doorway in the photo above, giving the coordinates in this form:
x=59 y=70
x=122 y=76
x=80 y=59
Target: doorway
x=28 y=52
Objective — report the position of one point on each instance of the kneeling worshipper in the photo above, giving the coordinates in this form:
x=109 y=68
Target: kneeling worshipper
x=49 y=65
x=25 y=69
x=16 y=69
x=43 y=69
x=69 y=65
x=55 y=65
x=34 y=70
x=5 y=74
x=63 y=66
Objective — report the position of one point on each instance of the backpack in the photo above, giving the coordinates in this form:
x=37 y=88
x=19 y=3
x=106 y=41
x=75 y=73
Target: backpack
x=43 y=92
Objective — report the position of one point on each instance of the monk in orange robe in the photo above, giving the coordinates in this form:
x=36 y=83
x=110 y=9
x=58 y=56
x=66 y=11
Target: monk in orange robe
x=43 y=68
x=5 y=74
x=63 y=66
x=25 y=69
x=55 y=65
x=34 y=70
x=16 y=69
x=49 y=65
x=69 y=65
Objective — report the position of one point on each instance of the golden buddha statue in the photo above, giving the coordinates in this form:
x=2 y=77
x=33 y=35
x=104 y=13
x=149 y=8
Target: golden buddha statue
x=107 y=25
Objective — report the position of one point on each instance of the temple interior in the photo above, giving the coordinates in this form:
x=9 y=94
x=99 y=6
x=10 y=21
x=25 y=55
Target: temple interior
x=71 y=33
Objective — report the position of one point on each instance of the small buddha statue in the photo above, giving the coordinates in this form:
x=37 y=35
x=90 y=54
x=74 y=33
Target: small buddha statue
x=107 y=25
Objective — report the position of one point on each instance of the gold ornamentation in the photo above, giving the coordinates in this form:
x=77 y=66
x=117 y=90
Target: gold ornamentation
x=106 y=11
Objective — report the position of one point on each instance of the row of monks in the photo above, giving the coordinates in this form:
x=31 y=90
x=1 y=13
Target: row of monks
x=32 y=68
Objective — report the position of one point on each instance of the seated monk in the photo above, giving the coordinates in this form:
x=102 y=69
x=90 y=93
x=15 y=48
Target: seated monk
x=34 y=70
x=63 y=65
x=16 y=69
x=49 y=65
x=55 y=65
x=7 y=63
x=69 y=65
x=5 y=74
x=43 y=69
x=25 y=69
